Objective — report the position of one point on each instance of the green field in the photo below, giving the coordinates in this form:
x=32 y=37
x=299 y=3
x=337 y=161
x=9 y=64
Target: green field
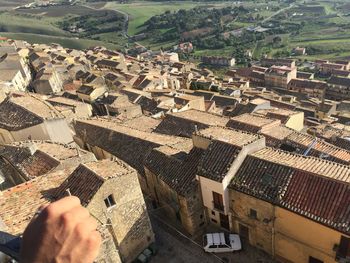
x=68 y=42
x=16 y=23
x=41 y=25
x=140 y=12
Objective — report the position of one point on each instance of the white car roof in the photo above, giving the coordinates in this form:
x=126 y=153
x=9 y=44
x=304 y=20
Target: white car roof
x=216 y=238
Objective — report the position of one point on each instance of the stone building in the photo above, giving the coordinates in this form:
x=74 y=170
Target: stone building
x=311 y=88
x=71 y=108
x=108 y=139
x=171 y=180
x=338 y=88
x=219 y=61
x=279 y=76
x=225 y=150
x=185 y=123
x=28 y=117
x=285 y=204
x=111 y=192
x=269 y=62
x=115 y=104
x=26 y=160
x=108 y=189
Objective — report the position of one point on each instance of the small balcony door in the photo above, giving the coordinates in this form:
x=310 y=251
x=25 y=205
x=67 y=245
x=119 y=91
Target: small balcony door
x=224 y=221
x=218 y=202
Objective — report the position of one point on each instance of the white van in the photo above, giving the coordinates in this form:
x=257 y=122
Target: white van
x=221 y=242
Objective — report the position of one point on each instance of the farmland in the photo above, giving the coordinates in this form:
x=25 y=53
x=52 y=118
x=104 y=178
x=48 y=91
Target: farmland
x=322 y=26
x=67 y=24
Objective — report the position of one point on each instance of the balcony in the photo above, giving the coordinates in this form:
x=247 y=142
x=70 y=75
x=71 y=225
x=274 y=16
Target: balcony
x=218 y=207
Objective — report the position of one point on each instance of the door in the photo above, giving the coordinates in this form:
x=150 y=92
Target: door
x=224 y=221
x=218 y=201
x=244 y=232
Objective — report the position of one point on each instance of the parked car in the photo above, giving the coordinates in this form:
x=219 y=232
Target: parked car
x=221 y=242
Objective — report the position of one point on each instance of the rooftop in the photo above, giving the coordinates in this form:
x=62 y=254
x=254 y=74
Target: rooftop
x=294 y=183
x=302 y=141
x=252 y=123
x=230 y=136
x=117 y=127
x=177 y=167
x=143 y=123
x=25 y=111
x=19 y=204
x=310 y=164
x=202 y=117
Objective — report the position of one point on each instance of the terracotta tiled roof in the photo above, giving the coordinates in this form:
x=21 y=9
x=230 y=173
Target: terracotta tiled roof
x=224 y=101
x=175 y=167
x=304 y=185
x=19 y=204
x=310 y=164
x=302 y=141
x=261 y=178
x=38 y=164
x=82 y=183
x=184 y=123
x=130 y=145
x=14 y=117
x=217 y=160
x=148 y=105
x=319 y=199
x=143 y=123
x=234 y=137
x=275 y=135
x=35 y=158
x=87 y=179
x=252 y=123
x=339 y=81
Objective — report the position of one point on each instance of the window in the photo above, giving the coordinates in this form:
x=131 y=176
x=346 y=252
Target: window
x=253 y=214
x=343 y=249
x=109 y=201
x=218 y=201
x=314 y=260
x=213 y=213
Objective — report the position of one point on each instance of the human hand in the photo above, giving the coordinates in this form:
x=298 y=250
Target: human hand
x=63 y=232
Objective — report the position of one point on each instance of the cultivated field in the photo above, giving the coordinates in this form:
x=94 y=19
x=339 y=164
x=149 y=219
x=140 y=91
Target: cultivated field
x=140 y=12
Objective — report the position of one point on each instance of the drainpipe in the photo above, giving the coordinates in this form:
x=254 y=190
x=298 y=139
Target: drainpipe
x=273 y=233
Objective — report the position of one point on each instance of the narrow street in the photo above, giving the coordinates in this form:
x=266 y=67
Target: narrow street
x=175 y=247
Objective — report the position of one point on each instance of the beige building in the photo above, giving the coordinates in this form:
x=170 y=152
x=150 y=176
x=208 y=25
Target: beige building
x=90 y=93
x=170 y=175
x=280 y=76
x=311 y=88
x=47 y=81
x=225 y=150
x=14 y=72
x=338 y=88
x=71 y=108
x=29 y=117
x=291 y=119
x=276 y=206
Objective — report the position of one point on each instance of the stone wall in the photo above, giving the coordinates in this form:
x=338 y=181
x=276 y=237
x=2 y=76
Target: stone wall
x=128 y=219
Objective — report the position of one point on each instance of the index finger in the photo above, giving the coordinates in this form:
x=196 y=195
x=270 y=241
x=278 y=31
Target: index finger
x=60 y=207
